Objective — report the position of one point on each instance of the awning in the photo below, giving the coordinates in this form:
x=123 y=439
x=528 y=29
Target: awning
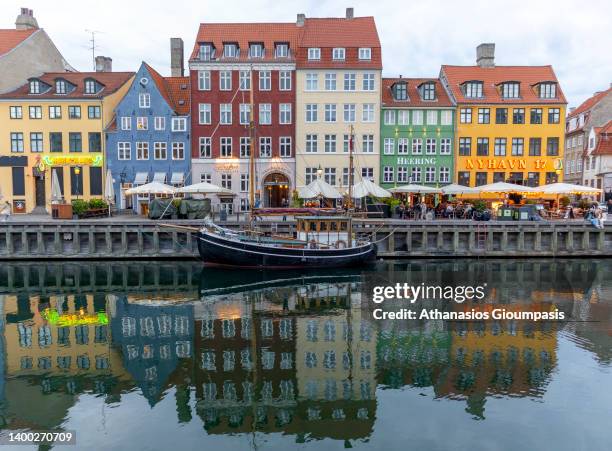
x=141 y=178
x=159 y=177
x=178 y=178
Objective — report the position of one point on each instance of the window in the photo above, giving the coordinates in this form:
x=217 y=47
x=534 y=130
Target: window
x=428 y=91
x=400 y=91
x=226 y=147
x=430 y=146
x=338 y=53
x=430 y=175
x=402 y=174
x=446 y=117
x=417 y=146
x=314 y=53
x=311 y=143
x=244 y=80
x=535 y=147
x=499 y=177
x=285 y=146
x=346 y=143
x=245 y=113
x=284 y=80
x=256 y=51
x=55 y=112
x=126 y=123
x=75 y=142
x=330 y=143
x=464 y=178
x=179 y=124
x=368 y=82
x=482 y=147
x=36 y=142
x=367 y=173
x=310 y=175
x=465 y=147
x=533 y=179
x=445 y=146
x=265 y=113
x=16 y=112
x=444 y=175
x=330 y=176
x=35 y=112
x=142 y=123
x=403 y=117
x=204 y=80
x=432 y=117
x=501 y=116
x=55 y=138
x=142 y=151
x=144 y=100
x=230 y=50
x=518 y=116
x=554 y=115
x=499 y=149
x=225 y=80
x=552 y=147
x=367 y=144
x=330 y=82
x=330 y=112
x=245 y=147
x=536 y=116
x=349 y=112
x=312 y=82
x=205 y=113
x=517 y=147
x=484 y=115
x=481 y=178
x=402 y=146
x=548 y=90
x=311 y=112
x=265 y=80
x=95 y=141
x=160 y=151
x=365 y=53
x=93 y=112
x=265 y=147
x=178 y=150
x=205 y=147
x=473 y=89
x=389 y=146
x=244 y=182
x=389 y=117
x=74 y=112
x=388 y=174
x=465 y=115
x=510 y=90
x=206 y=52
x=368 y=112
x=416 y=174
x=34 y=87
x=225 y=113
x=350 y=81
x=124 y=151
x=226 y=181
x=160 y=123
x=516 y=177
x=282 y=50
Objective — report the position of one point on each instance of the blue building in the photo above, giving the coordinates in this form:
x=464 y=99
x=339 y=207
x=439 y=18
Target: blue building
x=148 y=140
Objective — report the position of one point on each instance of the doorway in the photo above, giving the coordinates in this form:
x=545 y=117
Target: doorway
x=276 y=187
x=39 y=190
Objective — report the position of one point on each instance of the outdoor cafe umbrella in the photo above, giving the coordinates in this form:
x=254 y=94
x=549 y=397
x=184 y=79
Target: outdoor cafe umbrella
x=109 y=190
x=151 y=188
x=368 y=188
x=203 y=188
x=504 y=187
x=416 y=189
x=568 y=188
x=319 y=188
x=459 y=189
x=56 y=190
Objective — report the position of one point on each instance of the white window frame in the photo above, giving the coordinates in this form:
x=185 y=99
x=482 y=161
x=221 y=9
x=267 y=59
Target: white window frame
x=265 y=114
x=225 y=114
x=179 y=124
x=369 y=82
x=144 y=100
x=285 y=116
x=312 y=112
x=314 y=54
x=265 y=142
x=265 y=80
x=284 y=80
x=204 y=83
x=330 y=113
x=178 y=147
x=124 y=150
x=284 y=143
x=159 y=123
x=365 y=53
x=339 y=54
x=142 y=148
x=160 y=147
x=204 y=113
x=389 y=146
x=205 y=147
x=126 y=122
x=367 y=113
x=225 y=80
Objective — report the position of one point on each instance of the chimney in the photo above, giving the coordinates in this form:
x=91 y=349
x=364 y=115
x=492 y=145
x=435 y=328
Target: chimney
x=485 y=55
x=301 y=18
x=177 y=69
x=350 y=13
x=26 y=20
x=572 y=109
x=104 y=64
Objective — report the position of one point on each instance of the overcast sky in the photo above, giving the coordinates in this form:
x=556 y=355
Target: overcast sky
x=416 y=37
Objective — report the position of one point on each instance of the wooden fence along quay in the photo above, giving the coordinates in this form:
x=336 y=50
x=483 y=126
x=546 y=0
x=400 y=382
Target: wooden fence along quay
x=130 y=239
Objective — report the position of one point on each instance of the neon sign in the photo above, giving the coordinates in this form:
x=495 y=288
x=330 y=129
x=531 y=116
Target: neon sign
x=72 y=160
x=73 y=319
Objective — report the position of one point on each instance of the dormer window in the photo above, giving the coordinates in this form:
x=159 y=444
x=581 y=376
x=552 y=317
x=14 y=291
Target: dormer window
x=230 y=50
x=365 y=53
x=314 y=53
x=400 y=91
x=548 y=90
x=338 y=54
x=34 y=87
x=510 y=90
x=206 y=52
x=282 y=50
x=473 y=89
x=90 y=87
x=428 y=91
x=256 y=51
x=60 y=87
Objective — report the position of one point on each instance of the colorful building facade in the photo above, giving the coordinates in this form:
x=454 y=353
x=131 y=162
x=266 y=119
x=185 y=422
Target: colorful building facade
x=416 y=133
x=509 y=122
x=56 y=122
x=148 y=140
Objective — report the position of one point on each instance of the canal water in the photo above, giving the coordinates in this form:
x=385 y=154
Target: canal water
x=168 y=355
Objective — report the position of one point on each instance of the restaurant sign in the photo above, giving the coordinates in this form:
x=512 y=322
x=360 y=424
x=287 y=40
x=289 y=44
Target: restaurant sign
x=415 y=161
x=72 y=160
x=499 y=163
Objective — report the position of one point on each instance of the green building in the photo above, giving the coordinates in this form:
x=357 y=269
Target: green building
x=416 y=133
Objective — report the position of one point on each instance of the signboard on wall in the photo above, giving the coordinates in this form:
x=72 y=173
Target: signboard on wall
x=72 y=160
x=19 y=206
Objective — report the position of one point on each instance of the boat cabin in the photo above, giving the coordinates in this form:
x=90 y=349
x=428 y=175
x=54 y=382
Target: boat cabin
x=325 y=231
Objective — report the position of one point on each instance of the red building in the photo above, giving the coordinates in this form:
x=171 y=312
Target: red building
x=225 y=59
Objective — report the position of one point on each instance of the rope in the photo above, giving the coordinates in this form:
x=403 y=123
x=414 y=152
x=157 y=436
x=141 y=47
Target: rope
x=385 y=237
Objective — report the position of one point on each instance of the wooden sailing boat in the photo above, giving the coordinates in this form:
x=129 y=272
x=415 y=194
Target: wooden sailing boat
x=320 y=241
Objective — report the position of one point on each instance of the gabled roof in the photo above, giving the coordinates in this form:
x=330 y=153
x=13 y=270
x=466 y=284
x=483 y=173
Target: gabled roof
x=111 y=82
x=590 y=103
x=604 y=140
x=9 y=39
x=340 y=32
x=527 y=76
x=414 y=97
x=175 y=90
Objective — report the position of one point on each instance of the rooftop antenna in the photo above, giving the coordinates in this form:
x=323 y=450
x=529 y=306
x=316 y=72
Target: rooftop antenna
x=93 y=47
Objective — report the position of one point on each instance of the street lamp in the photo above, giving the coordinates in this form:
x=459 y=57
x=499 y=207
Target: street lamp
x=319 y=172
x=77 y=172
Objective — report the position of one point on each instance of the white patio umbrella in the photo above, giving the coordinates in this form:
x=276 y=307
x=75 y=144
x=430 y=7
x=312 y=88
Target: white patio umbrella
x=567 y=188
x=203 y=188
x=319 y=188
x=416 y=189
x=56 y=189
x=458 y=189
x=368 y=188
x=109 y=188
x=151 y=188
x=504 y=187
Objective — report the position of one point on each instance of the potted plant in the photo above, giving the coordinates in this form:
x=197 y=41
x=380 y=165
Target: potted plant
x=79 y=207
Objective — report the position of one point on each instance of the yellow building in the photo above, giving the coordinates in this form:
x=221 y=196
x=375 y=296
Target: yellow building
x=56 y=122
x=509 y=122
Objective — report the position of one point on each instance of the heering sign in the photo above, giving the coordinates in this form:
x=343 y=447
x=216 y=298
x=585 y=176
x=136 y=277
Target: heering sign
x=412 y=160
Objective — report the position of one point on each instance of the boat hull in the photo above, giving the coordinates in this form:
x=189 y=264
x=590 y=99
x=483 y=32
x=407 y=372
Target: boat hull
x=219 y=250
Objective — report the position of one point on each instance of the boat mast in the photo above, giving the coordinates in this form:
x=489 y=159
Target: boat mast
x=252 y=148
x=351 y=181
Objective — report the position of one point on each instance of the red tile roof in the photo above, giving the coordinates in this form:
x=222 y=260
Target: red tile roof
x=9 y=39
x=175 y=90
x=527 y=76
x=590 y=102
x=414 y=97
x=604 y=140
x=111 y=82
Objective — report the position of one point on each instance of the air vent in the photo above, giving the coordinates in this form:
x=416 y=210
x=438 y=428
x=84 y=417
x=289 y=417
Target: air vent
x=144 y=81
x=183 y=86
x=181 y=102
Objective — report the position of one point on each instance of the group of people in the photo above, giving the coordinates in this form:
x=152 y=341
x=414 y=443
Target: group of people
x=443 y=210
x=595 y=215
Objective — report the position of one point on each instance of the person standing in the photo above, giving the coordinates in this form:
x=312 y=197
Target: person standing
x=5 y=211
